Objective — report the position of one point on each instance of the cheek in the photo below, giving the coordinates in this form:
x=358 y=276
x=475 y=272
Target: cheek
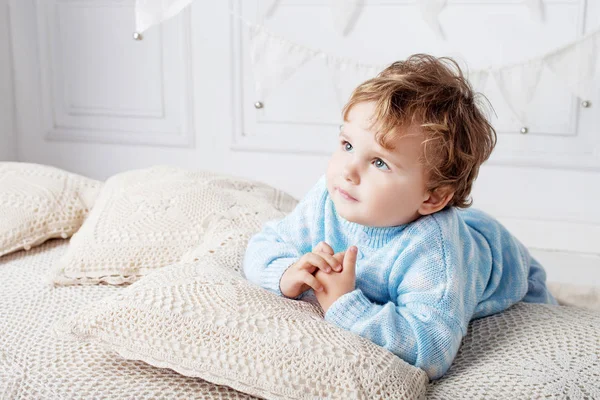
x=403 y=192
x=335 y=163
x=415 y=191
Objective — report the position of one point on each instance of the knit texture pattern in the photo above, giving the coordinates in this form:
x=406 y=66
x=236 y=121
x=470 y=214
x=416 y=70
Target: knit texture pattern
x=36 y=365
x=39 y=202
x=417 y=285
x=529 y=351
x=204 y=319
x=146 y=219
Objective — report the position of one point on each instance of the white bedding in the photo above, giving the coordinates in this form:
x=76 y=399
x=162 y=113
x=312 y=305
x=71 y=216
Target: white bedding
x=528 y=351
x=35 y=365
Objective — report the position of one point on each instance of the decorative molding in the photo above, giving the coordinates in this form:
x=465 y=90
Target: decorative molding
x=75 y=110
x=65 y=126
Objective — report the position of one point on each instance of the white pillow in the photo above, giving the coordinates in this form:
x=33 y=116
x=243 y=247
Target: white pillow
x=35 y=365
x=205 y=320
x=149 y=218
x=529 y=351
x=39 y=202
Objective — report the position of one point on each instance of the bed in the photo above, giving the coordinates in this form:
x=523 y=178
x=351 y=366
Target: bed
x=57 y=341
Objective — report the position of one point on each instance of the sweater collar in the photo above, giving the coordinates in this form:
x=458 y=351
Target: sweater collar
x=371 y=236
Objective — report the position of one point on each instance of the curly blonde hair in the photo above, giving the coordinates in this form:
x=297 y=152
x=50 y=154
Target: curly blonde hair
x=434 y=94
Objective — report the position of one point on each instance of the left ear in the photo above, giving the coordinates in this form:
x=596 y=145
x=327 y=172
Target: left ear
x=436 y=200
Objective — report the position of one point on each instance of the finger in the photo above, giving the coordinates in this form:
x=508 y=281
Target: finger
x=332 y=261
x=340 y=258
x=316 y=260
x=313 y=282
x=324 y=248
x=319 y=247
x=350 y=259
x=328 y=248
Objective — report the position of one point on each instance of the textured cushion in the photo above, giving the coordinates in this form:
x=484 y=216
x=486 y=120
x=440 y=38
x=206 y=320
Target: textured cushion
x=146 y=219
x=529 y=351
x=35 y=365
x=204 y=319
x=39 y=202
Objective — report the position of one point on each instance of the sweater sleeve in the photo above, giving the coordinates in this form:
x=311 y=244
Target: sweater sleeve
x=419 y=326
x=280 y=243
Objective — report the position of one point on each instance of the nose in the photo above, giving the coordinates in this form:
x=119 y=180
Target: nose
x=350 y=173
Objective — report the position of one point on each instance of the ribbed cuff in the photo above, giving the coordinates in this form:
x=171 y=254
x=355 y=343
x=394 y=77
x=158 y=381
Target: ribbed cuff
x=348 y=309
x=271 y=275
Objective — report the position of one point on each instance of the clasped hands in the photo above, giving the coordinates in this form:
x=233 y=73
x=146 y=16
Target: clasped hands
x=329 y=275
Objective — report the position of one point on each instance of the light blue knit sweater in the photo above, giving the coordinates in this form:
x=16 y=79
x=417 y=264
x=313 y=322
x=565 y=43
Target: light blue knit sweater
x=417 y=285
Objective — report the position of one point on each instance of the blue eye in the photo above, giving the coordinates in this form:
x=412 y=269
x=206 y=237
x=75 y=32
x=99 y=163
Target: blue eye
x=379 y=163
x=347 y=146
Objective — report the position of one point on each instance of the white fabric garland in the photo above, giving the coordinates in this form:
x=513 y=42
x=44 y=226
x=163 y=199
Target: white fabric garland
x=345 y=12
x=536 y=9
x=517 y=85
x=430 y=10
x=152 y=12
x=575 y=64
x=275 y=59
x=348 y=75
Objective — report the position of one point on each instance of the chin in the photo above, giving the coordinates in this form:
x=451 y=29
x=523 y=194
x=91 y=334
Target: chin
x=348 y=216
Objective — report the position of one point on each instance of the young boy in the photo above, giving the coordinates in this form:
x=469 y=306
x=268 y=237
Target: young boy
x=385 y=239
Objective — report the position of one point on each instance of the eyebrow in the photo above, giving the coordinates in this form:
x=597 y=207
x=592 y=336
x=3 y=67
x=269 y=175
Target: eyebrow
x=394 y=162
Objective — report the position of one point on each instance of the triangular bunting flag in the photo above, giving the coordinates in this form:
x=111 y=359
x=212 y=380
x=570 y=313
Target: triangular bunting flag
x=536 y=9
x=478 y=79
x=151 y=12
x=345 y=13
x=269 y=7
x=430 y=11
x=274 y=60
x=517 y=85
x=347 y=75
x=577 y=65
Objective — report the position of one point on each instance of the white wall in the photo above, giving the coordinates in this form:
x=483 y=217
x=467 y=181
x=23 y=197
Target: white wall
x=8 y=149
x=99 y=111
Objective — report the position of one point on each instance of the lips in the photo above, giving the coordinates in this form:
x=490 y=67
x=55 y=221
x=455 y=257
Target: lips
x=345 y=195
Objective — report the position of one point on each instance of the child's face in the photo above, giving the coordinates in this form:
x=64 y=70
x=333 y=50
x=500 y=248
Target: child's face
x=387 y=187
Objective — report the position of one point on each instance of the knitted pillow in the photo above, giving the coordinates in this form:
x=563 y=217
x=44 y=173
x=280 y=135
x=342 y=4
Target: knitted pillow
x=40 y=202
x=530 y=351
x=146 y=219
x=35 y=365
x=203 y=319
x=527 y=351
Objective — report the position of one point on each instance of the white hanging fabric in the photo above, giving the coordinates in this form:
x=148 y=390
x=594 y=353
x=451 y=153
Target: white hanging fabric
x=577 y=65
x=345 y=14
x=478 y=79
x=274 y=59
x=268 y=7
x=151 y=12
x=346 y=76
x=536 y=9
x=517 y=84
x=430 y=11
